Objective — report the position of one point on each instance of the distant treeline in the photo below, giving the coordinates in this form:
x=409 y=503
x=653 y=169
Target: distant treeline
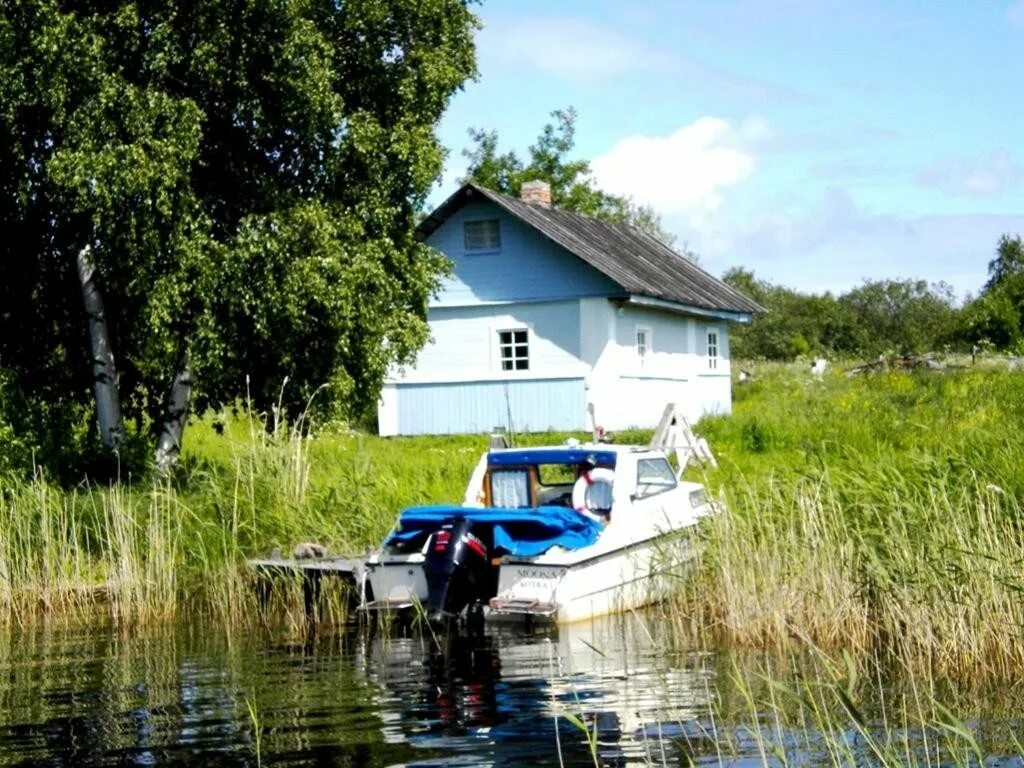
x=886 y=316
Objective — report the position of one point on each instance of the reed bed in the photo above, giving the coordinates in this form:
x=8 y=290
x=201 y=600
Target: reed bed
x=880 y=511
x=865 y=513
x=158 y=550
x=815 y=708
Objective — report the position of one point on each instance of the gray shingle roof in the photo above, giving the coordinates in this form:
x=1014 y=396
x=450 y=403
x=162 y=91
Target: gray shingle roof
x=639 y=263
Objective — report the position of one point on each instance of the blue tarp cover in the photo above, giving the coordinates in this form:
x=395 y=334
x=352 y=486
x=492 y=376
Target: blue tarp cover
x=523 y=532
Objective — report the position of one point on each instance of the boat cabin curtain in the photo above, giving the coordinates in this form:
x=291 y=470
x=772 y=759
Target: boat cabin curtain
x=510 y=489
x=599 y=495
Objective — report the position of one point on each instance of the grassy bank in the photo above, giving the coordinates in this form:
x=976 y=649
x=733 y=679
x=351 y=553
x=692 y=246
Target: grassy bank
x=144 y=550
x=862 y=511
x=866 y=511
x=158 y=550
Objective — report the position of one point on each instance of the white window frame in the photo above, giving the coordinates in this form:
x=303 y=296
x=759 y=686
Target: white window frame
x=666 y=482
x=713 y=346
x=483 y=248
x=643 y=351
x=513 y=346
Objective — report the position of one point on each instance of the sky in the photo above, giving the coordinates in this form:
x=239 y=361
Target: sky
x=819 y=143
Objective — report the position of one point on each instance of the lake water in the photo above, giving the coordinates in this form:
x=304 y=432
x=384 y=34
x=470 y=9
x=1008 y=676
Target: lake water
x=96 y=696
x=621 y=691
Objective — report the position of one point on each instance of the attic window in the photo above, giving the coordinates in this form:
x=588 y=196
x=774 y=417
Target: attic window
x=482 y=235
x=513 y=345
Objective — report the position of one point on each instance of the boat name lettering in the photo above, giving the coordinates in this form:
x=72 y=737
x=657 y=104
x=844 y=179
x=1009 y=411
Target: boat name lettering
x=538 y=573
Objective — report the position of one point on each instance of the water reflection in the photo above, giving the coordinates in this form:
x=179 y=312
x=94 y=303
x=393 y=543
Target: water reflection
x=96 y=696
x=618 y=692
x=604 y=689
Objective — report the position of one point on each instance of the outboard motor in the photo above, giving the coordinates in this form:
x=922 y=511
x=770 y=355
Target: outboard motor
x=457 y=569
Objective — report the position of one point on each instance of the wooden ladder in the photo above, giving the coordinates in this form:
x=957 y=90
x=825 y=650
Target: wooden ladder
x=675 y=432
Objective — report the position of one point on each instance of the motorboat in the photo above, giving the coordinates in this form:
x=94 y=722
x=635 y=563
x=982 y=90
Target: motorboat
x=557 y=534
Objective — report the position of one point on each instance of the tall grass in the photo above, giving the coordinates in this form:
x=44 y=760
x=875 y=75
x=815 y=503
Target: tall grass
x=883 y=510
x=158 y=550
x=815 y=708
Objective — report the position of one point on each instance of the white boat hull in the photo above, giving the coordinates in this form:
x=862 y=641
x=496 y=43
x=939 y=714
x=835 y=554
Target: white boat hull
x=557 y=586
x=578 y=589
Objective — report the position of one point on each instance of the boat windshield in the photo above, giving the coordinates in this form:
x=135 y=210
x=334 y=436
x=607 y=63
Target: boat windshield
x=556 y=474
x=550 y=479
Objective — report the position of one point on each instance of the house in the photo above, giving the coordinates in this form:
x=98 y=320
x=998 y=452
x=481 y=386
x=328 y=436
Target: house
x=547 y=312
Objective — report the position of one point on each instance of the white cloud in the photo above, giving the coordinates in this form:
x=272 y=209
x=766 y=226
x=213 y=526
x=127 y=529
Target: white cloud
x=586 y=52
x=1015 y=13
x=834 y=244
x=968 y=177
x=569 y=47
x=685 y=172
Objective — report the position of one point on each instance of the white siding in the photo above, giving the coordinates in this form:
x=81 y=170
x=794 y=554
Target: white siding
x=464 y=343
x=589 y=340
x=628 y=391
x=523 y=405
x=713 y=386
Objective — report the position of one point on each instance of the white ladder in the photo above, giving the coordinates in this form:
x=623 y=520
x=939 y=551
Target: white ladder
x=675 y=432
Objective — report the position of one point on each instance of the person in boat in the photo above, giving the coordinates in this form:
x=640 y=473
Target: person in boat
x=592 y=492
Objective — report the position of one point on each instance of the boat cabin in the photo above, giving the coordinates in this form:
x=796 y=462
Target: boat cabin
x=523 y=478
x=590 y=479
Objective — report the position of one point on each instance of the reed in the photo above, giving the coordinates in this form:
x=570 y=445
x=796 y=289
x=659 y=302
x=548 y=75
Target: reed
x=880 y=511
x=158 y=550
x=876 y=511
x=811 y=707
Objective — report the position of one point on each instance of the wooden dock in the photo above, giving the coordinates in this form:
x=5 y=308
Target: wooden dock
x=346 y=568
x=312 y=572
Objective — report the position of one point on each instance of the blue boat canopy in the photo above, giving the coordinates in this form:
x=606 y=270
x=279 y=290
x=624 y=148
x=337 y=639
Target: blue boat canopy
x=567 y=455
x=523 y=532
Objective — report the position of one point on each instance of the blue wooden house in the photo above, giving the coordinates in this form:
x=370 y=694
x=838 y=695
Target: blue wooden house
x=548 y=312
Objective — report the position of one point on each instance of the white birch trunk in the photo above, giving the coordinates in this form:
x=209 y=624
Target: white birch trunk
x=104 y=372
x=172 y=426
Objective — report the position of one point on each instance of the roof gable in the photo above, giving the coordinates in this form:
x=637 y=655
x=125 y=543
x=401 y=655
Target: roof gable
x=637 y=262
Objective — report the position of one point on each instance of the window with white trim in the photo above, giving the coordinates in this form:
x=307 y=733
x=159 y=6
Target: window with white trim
x=654 y=476
x=643 y=341
x=482 y=235
x=514 y=349
x=712 y=350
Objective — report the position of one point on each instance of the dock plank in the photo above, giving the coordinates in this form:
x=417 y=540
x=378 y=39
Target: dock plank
x=341 y=566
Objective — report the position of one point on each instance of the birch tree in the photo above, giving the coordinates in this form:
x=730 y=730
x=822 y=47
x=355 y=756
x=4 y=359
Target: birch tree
x=243 y=177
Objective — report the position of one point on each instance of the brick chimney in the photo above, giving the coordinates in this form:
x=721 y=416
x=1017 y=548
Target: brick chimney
x=536 y=193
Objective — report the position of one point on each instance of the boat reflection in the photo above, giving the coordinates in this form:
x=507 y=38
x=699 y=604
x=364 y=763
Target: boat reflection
x=606 y=691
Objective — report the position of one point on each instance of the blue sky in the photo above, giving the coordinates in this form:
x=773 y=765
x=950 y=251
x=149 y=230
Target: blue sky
x=817 y=142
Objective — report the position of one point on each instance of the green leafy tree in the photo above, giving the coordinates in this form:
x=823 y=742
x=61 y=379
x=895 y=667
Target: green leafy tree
x=903 y=316
x=996 y=316
x=549 y=160
x=793 y=324
x=1009 y=261
x=236 y=181
x=883 y=316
